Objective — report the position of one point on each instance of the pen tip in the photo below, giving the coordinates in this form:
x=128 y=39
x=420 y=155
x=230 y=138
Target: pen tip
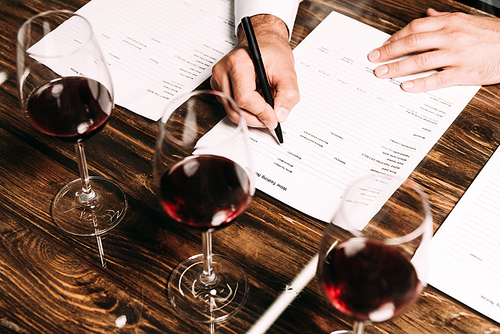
x=279 y=134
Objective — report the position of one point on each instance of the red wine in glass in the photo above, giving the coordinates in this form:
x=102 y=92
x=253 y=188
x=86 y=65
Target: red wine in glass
x=368 y=280
x=204 y=181
x=205 y=192
x=70 y=108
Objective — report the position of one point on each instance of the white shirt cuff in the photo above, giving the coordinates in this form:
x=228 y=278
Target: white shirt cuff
x=286 y=10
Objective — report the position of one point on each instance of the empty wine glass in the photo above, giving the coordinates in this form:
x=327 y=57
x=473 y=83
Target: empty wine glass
x=204 y=182
x=66 y=93
x=365 y=264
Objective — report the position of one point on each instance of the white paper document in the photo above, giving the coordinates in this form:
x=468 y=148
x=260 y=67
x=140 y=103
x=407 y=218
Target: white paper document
x=465 y=251
x=348 y=122
x=158 y=49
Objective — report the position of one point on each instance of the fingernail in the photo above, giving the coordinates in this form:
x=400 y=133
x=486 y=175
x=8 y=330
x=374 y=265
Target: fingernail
x=269 y=125
x=381 y=70
x=407 y=85
x=282 y=114
x=374 y=55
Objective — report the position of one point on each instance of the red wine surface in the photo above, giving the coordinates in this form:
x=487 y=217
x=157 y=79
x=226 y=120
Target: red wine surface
x=70 y=108
x=205 y=192
x=369 y=281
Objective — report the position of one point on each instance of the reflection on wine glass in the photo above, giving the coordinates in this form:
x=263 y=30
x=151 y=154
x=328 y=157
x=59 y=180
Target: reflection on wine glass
x=365 y=262
x=204 y=183
x=66 y=93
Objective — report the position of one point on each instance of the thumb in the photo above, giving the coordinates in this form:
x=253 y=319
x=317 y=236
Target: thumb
x=433 y=12
x=284 y=101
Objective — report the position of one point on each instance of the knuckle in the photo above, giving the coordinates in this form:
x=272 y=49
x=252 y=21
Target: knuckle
x=423 y=85
x=389 y=50
x=421 y=61
x=412 y=41
x=231 y=61
x=442 y=79
x=291 y=96
x=242 y=99
x=460 y=37
x=457 y=16
x=217 y=73
x=233 y=58
x=416 y=25
x=213 y=82
x=235 y=118
x=395 y=67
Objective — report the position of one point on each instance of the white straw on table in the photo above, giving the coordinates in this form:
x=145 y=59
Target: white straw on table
x=286 y=298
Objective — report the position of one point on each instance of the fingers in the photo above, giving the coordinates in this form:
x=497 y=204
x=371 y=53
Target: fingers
x=427 y=43
x=419 y=35
x=286 y=97
x=280 y=67
x=420 y=63
x=417 y=63
x=462 y=48
x=446 y=78
x=287 y=94
x=260 y=112
x=403 y=43
x=235 y=76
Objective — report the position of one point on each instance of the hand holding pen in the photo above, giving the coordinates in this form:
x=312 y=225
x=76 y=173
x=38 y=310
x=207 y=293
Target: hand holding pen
x=235 y=74
x=254 y=50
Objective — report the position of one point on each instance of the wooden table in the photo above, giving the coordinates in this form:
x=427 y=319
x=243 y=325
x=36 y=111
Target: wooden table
x=53 y=283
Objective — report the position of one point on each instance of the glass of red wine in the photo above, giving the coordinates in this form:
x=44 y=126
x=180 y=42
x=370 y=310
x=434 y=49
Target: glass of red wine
x=367 y=266
x=66 y=93
x=204 y=181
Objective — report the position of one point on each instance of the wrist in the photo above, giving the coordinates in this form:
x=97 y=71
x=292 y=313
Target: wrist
x=265 y=25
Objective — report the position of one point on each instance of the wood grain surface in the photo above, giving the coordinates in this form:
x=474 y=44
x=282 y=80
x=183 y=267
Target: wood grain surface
x=53 y=283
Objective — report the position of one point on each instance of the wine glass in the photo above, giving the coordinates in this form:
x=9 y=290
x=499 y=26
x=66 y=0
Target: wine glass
x=366 y=264
x=204 y=181
x=66 y=93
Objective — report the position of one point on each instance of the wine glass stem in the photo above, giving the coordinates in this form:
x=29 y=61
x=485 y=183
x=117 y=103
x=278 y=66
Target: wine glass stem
x=358 y=327
x=101 y=251
x=208 y=275
x=87 y=192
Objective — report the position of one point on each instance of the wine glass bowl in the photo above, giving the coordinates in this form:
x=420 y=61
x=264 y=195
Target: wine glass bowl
x=66 y=93
x=209 y=198
x=204 y=181
x=367 y=265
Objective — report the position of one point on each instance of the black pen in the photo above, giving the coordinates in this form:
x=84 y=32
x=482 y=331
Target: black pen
x=259 y=68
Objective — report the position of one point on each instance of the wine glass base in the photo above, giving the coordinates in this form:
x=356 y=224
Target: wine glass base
x=210 y=303
x=89 y=215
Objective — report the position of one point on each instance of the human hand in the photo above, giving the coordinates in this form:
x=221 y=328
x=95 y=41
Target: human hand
x=465 y=49
x=235 y=74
